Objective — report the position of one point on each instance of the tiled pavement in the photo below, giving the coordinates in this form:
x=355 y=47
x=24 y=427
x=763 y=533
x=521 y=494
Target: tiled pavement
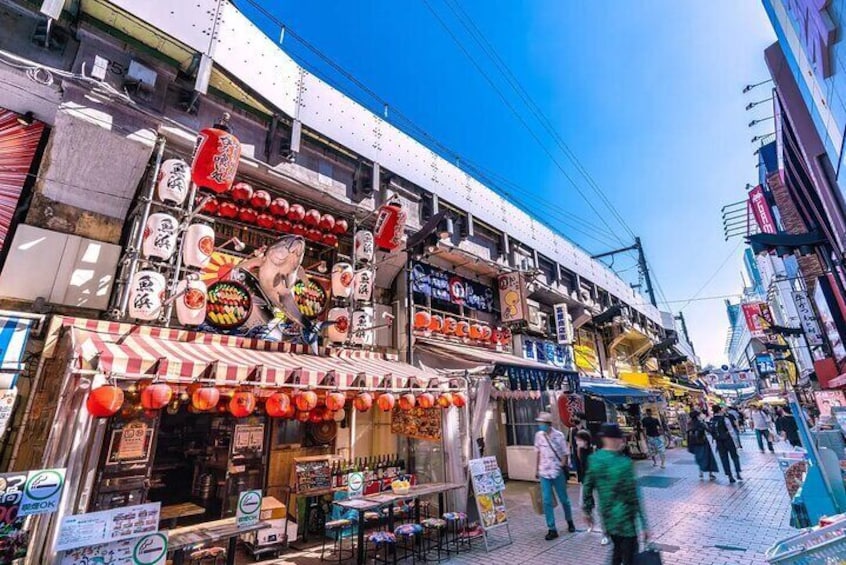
x=695 y=522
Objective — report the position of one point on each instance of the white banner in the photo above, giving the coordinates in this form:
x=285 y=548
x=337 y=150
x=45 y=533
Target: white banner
x=107 y=526
x=807 y=318
x=563 y=324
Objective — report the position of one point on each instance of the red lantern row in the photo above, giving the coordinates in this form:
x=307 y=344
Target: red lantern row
x=435 y=323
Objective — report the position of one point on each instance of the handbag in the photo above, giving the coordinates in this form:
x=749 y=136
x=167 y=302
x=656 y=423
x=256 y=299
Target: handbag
x=649 y=556
x=537 y=498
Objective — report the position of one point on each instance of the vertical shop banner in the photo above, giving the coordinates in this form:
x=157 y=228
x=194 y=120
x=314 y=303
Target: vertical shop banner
x=249 y=508
x=512 y=297
x=807 y=318
x=563 y=324
x=761 y=210
x=831 y=316
x=758 y=318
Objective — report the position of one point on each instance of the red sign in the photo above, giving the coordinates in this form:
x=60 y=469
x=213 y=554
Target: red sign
x=758 y=318
x=761 y=210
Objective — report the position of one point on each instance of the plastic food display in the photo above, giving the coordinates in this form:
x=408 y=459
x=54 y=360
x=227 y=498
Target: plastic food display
x=229 y=304
x=311 y=298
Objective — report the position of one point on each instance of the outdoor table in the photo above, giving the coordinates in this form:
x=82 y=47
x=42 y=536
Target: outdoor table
x=174 y=512
x=388 y=498
x=181 y=540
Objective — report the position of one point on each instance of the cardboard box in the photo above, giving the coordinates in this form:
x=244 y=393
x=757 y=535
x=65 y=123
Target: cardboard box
x=271 y=509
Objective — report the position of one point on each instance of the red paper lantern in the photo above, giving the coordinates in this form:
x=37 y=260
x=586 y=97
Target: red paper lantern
x=330 y=239
x=156 y=396
x=329 y=415
x=426 y=400
x=241 y=192
x=278 y=405
x=436 y=324
x=282 y=225
x=312 y=218
x=496 y=335
x=341 y=227
x=303 y=416
x=243 y=404
x=390 y=226
x=407 y=401
x=247 y=215
x=279 y=207
x=449 y=325
x=216 y=159
x=476 y=331
x=363 y=402
x=104 y=401
x=306 y=400
x=386 y=402
x=314 y=235
x=459 y=399
x=422 y=319
x=265 y=221
x=205 y=398
x=260 y=200
x=487 y=332
x=462 y=329
x=327 y=222
x=211 y=206
x=227 y=210
x=296 y=213
x=316 y=415
x=299 y=229
x=445 y=400
x=335 y=401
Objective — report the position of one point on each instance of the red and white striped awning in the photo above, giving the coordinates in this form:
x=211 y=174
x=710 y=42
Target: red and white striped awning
x=181 y=356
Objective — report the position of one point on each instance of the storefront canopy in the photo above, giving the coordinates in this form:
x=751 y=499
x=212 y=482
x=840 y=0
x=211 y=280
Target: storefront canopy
x=522 y=374
x=182 y=356
x=618 y=393
x=14 y=333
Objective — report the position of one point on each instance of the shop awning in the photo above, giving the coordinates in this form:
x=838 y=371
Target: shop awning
x=521 y=373
x=14 y=333
x=619 y=394
x=180 y=356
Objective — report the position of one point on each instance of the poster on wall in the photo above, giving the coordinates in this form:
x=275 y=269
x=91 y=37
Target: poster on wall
x=13 y=539
x=108 y=526
x=807 y=318
x=512 y=297
x=828 y=399
x=7 y=404
x=418 y=423
x=149 y=549
x=488 y=488
x=758 y=318
x=442 y=285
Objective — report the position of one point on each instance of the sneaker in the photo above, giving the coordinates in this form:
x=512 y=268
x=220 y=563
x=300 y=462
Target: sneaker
x=739 y=478
x=712 y=477
x=551 y=535
x=571 y=527
x=731 y=480
x=604 y=540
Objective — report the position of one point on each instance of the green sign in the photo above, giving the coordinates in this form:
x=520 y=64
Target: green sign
x=249 y=507
x=355 y=484
x=150 y=549
x=42 y=491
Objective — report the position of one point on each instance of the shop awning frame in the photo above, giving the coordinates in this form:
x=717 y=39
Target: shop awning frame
x=618 y=393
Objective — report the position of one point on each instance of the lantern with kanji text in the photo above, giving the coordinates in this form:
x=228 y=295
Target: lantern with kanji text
x=390 y=226
x=216 y=158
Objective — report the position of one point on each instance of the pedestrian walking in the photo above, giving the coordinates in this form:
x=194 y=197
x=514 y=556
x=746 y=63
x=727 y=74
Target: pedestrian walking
x=612 y=476
x=787 y=427
x=697 y=444
x=731 y=414
x=761 y=423
x=552 y=470
x=584 y=447
x=721 y=432
x=654 y=438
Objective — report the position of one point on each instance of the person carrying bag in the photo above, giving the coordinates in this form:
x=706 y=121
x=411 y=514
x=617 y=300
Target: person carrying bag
x=552 y=470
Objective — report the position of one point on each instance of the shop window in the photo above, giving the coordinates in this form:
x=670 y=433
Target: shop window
x=520 y=425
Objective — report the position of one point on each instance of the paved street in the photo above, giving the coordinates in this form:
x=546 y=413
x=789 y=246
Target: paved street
x=695 y=522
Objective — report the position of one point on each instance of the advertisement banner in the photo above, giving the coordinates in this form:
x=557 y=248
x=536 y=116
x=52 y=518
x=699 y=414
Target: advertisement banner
x=13 y=538
x=761 y=210
x=758 y=318
x=512 y=297
x=149 y=549
x=828 y=399
x=807 y=318
x=765 y=363
x=447 y=287
x=107 y=526
x=563 y=324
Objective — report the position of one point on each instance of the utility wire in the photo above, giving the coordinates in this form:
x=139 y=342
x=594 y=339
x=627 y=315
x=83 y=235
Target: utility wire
x=713 y=275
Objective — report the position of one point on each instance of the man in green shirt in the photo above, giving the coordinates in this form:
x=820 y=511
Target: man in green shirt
x=611 y=474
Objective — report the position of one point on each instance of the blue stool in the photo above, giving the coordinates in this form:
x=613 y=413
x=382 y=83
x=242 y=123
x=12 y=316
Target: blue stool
x=409 y=535
x=434 y=534
x=456 y=524
x=387 y=542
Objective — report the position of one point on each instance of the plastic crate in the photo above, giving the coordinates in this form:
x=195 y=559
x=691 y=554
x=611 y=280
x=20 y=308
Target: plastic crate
x=815 y=546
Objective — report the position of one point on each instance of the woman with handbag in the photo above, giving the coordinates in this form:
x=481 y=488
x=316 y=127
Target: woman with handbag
x=553 y=470
x=697 y=444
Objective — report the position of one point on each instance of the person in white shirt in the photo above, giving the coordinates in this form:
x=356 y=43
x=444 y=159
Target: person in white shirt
x=761 y=423
x=553 y=470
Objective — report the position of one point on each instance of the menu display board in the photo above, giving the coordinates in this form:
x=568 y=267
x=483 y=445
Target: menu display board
x=488 y=486
x=108 y=526
x=150 y=549
x=312 y=474
x=418 y=423
x=248 y=439
x=447 y=287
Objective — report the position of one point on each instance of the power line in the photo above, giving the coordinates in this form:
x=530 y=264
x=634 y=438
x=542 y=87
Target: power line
x=713 y=275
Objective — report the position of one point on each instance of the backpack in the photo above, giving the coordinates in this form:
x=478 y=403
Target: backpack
x=721 y=431
x=696 y=436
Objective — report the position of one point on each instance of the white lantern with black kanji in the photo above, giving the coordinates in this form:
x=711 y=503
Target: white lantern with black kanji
x=364 y=246
x=174 y=181
x=363 y=284
x=362 y=326
x=160 y=236
x=146 y=294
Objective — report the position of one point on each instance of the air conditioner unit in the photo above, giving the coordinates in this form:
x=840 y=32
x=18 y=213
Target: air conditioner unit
x=538 y=321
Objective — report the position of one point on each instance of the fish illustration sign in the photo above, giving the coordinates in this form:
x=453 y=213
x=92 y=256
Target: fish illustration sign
x=42 y=491
x=249 y=506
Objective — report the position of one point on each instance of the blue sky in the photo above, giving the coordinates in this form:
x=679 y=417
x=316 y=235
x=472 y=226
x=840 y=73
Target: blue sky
x=647 y=95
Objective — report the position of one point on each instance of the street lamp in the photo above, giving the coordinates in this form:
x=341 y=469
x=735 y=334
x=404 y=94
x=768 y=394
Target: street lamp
x=760 y=120
x=753 y=104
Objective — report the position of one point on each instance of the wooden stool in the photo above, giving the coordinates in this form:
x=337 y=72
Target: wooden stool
x=337 y=528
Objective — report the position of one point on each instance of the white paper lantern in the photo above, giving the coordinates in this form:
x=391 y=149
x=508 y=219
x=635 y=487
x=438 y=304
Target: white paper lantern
x=160 y=236
x=338 y=331
x=362 y=321
x=146 y=294
x=363 y=246
x=191 y=302
x=174 y=181
x=363 y=284
x=198 y=246
x=342 y=280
